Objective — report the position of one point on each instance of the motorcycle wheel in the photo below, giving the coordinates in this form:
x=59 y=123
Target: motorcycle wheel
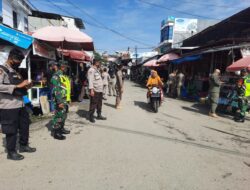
x=156 y=106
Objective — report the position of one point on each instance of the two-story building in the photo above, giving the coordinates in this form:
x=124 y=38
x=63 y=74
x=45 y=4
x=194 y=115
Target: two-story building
x=175 y=30
x=15 y=14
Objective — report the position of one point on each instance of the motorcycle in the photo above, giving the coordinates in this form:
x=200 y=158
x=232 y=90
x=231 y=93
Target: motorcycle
x=155 y=98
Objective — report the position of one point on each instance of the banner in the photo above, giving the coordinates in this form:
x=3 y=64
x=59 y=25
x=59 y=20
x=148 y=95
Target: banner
x=185 y=25
x=43 y=50
x=13 y=36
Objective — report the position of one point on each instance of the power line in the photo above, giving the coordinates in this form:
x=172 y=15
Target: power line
x=170 y=9
x=187 y=13
x=204 y=4
x=105 y=27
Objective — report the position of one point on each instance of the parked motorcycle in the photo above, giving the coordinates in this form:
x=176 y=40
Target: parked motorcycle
x=155 y=98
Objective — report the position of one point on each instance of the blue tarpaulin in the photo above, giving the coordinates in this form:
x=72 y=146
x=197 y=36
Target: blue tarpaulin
x=186 y=59
x=19 y=39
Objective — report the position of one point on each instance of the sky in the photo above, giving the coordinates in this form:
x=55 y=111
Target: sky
x=139 y=23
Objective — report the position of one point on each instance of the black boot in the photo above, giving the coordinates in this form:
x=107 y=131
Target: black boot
x=65 y=131
x=13 y=155
x=58 y=135
x=27 y=149
x=100 y=117
x=91 y=118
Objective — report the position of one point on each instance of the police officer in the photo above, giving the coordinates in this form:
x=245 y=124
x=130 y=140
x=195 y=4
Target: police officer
x=13 y=114
x=59 y=94
x=96 y=91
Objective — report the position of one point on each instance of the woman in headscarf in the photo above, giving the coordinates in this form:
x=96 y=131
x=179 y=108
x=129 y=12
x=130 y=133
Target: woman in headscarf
x=155 y=81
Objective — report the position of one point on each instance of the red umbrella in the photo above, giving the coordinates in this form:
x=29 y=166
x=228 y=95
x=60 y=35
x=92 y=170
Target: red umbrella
x=151 y=63
x=239 y=65
x=168 y=57
x=75 y=54
x=65 y=38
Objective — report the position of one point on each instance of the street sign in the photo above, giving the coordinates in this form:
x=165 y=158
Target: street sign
x=13 y=36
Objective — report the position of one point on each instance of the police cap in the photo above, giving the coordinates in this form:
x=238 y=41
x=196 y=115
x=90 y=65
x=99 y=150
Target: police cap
x=243 y=71
x=52 y=63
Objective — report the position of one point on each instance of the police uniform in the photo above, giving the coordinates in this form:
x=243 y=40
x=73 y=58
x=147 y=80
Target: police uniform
x=14 y=117
x=59 y=96
x=95 y=83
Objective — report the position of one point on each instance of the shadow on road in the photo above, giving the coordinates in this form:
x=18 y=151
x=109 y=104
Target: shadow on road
x=83 y=114
x=109 y=105
x=143 y=105
x=197 y=108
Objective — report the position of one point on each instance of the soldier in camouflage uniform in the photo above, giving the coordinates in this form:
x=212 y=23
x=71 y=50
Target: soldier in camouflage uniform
x=59 y=94
x=242 y=101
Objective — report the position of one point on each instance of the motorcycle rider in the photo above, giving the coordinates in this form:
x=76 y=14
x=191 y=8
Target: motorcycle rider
x=155 y=81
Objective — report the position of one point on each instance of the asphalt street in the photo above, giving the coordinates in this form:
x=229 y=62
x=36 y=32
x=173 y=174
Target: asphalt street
x=135 y=149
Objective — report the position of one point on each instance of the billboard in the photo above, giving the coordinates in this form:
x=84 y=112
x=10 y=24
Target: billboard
x=186 y=25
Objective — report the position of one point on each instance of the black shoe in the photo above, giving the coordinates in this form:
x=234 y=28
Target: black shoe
x=65 y=131
x=58 y=136
x=92 y=120
x=14 y=156
x=27 y=149
x=100 y=117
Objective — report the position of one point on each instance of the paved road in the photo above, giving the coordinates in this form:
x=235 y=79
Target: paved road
x=178 y=148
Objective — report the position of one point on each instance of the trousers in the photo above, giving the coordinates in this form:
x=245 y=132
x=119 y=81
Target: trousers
x=243 y=107
x=214 y=98
x=112 y=86
x=96 y=103
x=60 y=117
x=14 y=122
x=105 y=88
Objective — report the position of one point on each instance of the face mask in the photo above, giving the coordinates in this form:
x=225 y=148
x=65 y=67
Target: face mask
x=15 y=66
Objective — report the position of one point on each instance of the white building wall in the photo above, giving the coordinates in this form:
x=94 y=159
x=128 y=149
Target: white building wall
x=70 y=23
x=8 y=7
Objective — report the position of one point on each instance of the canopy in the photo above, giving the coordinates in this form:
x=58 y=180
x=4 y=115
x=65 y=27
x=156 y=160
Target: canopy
x=65 y=38
x=239 y=65
x=186 y=59
x=168 y=57
x=76 y=55
x=151 y=63
x=17 y=38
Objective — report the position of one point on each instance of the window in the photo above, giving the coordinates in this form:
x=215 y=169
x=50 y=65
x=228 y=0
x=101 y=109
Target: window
x=14 y=19
x=26 y=24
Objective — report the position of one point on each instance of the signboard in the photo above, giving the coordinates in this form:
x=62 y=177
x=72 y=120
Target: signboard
x=186 y=25
x=43 y=50
x=17 y=38
x=4 y=53
x=245 y=52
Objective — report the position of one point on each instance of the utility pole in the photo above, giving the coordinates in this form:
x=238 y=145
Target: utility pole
x=136 y=56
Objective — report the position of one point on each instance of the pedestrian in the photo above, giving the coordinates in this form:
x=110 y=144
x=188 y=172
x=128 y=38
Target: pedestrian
x=59 y=93
x=112 y=81
x=172 y=84
x=83 y=82
x=119 y=86
x=106 y=79
x=180 y=79
x=96 y=91
x=214 y=92
x=14 y=117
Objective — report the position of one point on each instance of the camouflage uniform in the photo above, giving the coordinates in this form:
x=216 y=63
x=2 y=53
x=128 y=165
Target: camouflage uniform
x=59 y=94
x=242 y=102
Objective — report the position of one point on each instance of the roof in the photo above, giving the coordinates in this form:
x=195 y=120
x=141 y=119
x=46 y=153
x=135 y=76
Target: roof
x=234 y=27
x=40 y=14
